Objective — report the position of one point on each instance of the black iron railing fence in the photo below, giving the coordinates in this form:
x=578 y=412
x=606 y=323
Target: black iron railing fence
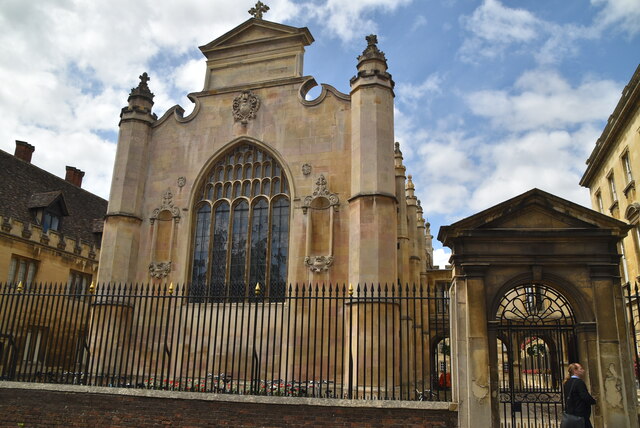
x=632 y=300
x=363 y=342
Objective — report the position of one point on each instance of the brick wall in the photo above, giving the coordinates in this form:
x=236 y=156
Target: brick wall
x=69 y=408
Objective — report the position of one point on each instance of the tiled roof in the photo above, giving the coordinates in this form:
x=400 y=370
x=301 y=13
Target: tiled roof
x=26 y=186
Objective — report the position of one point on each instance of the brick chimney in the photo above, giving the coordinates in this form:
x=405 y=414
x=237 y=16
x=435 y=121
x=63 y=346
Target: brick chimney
x=24 y=151
x=74 y=176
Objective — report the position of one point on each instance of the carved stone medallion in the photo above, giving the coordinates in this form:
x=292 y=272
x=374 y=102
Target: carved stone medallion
x=306 y=169
x=159 y=269
x=245 y=107
x=318 y=263
x=182 y=181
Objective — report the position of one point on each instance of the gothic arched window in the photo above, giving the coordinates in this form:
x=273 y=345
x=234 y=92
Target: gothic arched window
x=241 y=234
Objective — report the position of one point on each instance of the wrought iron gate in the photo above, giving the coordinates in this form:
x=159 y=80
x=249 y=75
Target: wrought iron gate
x=535 y=341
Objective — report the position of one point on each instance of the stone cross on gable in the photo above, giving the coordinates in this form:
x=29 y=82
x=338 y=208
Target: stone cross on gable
x=258 y=10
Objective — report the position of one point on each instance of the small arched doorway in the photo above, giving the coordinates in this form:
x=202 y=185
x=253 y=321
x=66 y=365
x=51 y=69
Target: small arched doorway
x=534 y=340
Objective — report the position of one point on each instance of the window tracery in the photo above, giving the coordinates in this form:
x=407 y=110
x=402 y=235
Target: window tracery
x=241 y=231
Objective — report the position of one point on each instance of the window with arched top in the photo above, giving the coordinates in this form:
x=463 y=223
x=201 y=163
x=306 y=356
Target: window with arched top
x=241 y=234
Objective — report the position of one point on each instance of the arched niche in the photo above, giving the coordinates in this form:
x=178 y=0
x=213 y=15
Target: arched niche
x=320 y=207
x=164 y=221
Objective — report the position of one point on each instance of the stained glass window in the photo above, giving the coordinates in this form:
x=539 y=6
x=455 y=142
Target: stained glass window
x=241 y=234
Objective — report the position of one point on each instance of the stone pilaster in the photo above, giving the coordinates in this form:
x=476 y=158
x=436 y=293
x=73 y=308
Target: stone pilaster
x=470 y=353
x=617 y=403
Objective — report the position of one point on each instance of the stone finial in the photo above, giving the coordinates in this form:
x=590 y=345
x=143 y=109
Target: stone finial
x=143 y=88
x=410 y=188
x=397 y=156
x=410 y=185
x=258 y=10
x=372 y=51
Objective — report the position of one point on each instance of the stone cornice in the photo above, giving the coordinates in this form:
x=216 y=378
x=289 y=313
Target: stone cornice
x=370 y=194
x=604 y=271
x=251 y=86
x=123 y=214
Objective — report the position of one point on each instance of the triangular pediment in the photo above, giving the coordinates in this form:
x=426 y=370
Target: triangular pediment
x=258 y=31
x=536 y=217
x=534 y=210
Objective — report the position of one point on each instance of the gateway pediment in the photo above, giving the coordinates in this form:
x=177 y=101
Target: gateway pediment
x=534 y=210
x=536 y=217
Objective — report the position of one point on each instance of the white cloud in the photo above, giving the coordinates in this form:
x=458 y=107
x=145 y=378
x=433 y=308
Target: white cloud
x=539 y=134
x=496 y=23
x=189 y=77
x=441 y=257
x=349 y=19
x=620 y=15
x=409 y=92
x=550 y=126
x=494 y=27
x=420 y=21
x=71 y=65
x=520 y=162
x=544 y=99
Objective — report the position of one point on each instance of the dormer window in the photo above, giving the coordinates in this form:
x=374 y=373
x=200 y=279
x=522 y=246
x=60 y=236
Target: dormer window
x=48 y=220
x=48 y=209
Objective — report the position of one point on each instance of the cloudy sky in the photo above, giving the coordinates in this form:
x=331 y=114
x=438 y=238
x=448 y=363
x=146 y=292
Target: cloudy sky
x=492 y=97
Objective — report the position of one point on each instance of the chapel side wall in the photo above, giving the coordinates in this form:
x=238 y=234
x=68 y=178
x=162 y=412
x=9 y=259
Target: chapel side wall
x=318 y=135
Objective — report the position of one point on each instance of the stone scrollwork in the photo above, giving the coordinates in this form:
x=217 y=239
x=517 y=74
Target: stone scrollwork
x=318 y=263
x=167 y=205
x=159 y=269
x=321 y=191
x=245 y=107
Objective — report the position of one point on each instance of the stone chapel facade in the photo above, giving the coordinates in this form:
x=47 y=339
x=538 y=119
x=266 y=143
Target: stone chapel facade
x=260 y=184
